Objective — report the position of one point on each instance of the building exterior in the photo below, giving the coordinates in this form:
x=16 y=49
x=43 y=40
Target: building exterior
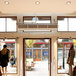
x=38 y=51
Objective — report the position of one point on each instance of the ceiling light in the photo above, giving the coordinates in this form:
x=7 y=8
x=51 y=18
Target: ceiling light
x=68 y=2
x=37 y=2
x=6 y=2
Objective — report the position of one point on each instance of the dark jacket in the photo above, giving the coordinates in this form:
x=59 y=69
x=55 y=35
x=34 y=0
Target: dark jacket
x=71 y=56
x=5 y=59
x=0 y=58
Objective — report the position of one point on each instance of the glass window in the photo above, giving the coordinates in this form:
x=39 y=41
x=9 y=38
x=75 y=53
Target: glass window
x=66 y=24
x=11 y=45
x=63 y=50
x=2 y=24
x=62 y=25
x=72 y=24
x=11 y=24
x=28 y=19
x=43 y=21
x=37 y=19
x=8 y=24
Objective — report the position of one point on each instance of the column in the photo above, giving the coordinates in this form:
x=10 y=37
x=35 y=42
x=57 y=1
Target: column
x=54 y=57
x=20 y=56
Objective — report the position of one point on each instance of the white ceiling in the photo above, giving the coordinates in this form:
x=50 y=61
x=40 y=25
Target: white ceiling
x=45 y=7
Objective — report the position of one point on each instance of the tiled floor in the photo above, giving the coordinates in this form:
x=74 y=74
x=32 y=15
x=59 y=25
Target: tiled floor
x=40 y=69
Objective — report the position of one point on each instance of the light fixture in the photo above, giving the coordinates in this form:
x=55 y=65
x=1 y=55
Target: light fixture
x=37 y=2
x=37 y=30
x=68 y=2
x=6 y=2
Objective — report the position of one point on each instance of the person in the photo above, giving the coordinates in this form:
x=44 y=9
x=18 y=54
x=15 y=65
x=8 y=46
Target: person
x=4 y=58
x=0 y=65
x=12 y=60
x=70 y=60
x=0 y=58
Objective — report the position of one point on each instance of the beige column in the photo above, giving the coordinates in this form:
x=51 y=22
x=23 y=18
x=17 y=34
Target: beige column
x=20 y=55
x=54 y=19
x=54 y=57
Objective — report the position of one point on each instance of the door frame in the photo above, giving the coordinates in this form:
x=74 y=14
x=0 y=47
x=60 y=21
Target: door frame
x=24 y=53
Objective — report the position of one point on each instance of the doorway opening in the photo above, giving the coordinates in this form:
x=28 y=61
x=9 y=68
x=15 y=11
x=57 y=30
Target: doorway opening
x=37 y=57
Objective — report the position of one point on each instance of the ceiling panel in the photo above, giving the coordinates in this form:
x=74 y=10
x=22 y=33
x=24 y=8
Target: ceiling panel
x=45 y=6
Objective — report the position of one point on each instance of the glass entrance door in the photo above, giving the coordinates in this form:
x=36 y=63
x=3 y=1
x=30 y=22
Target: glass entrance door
x=37 y=57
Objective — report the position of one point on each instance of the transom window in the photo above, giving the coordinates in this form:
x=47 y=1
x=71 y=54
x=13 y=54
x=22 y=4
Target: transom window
x=37 y=19
x=8 y=24
x=66 y=23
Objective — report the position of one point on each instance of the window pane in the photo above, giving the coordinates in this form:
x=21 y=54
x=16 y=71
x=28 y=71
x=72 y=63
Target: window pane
x=11 y=45
x=43 y=21
x=2 y=24
x=12 y=65
x=28 y=21
x=35 y=20
x=72 y=24
x=62 y=25
x=63 y=51
x=11 y=24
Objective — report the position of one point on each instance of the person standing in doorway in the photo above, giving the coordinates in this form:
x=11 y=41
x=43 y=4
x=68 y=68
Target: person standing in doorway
x=4 y=58
x=70 y=60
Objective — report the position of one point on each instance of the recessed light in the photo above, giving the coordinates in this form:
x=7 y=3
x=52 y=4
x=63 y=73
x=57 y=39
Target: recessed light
x=6 y=2
x=68 y=2
x=37 y=2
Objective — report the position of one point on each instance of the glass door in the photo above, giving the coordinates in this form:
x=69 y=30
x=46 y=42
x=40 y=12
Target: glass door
x=37 y=56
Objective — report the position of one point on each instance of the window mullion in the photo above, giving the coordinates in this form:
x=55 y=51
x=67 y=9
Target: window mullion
x=67 y=24
x=5 y=24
